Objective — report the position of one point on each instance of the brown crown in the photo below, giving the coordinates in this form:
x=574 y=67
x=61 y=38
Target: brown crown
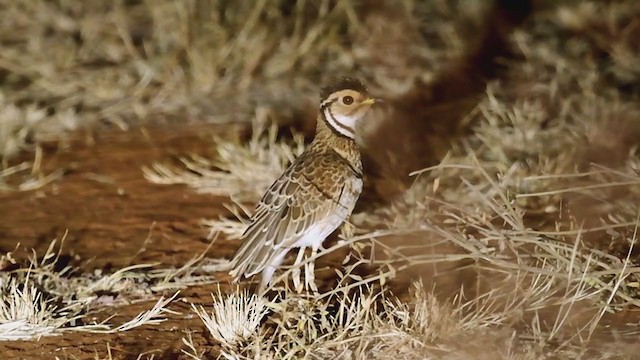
x=343 y=83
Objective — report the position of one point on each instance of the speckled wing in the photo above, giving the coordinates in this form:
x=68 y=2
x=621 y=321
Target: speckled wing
x=316 y=188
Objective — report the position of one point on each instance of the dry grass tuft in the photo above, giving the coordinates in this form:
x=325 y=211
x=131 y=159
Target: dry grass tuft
x=379 y=326
x=26 y=314
x=241 y=172
x=27 y=176
x=234 y=317
x=16 y=125
x=43 y=300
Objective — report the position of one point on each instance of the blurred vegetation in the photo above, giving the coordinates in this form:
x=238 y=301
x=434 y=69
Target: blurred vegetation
x=68 y=65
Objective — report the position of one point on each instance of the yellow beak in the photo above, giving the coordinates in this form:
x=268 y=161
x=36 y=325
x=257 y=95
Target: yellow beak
x=371 y=101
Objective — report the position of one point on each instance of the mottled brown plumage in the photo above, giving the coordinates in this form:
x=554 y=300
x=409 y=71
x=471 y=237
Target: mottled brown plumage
x=316 y=194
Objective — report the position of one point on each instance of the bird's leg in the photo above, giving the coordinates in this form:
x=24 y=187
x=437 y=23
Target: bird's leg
x=269 y=270
x=267 y=275
x=295 y=272
x=310 y=271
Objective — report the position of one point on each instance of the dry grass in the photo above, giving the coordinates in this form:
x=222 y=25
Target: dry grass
x=86 y=65
x=243 y=173
x=234 y=317
x=121 y=63
x=27 y=175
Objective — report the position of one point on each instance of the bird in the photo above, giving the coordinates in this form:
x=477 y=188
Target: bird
x=316 y=194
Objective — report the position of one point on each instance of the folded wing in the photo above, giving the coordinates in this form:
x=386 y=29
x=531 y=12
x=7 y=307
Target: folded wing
x=308 y=192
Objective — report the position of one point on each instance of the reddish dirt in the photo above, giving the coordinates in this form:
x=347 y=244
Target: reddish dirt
x=112 y=228
x=118 y=215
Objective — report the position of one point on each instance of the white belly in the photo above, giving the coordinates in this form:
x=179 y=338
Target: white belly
x=318 y=232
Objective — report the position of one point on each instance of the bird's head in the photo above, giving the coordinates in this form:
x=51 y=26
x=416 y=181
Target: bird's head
x=344 y=102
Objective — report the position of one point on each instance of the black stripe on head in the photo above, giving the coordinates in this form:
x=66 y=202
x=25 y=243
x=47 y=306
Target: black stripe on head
x=338 y=123
x=327 y=105
x=343 y=83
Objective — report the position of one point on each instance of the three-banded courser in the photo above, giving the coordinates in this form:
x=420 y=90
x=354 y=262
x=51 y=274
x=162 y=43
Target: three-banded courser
x=316 y=194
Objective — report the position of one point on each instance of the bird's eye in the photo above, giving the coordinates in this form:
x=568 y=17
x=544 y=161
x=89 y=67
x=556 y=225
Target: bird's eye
x=347 y=100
